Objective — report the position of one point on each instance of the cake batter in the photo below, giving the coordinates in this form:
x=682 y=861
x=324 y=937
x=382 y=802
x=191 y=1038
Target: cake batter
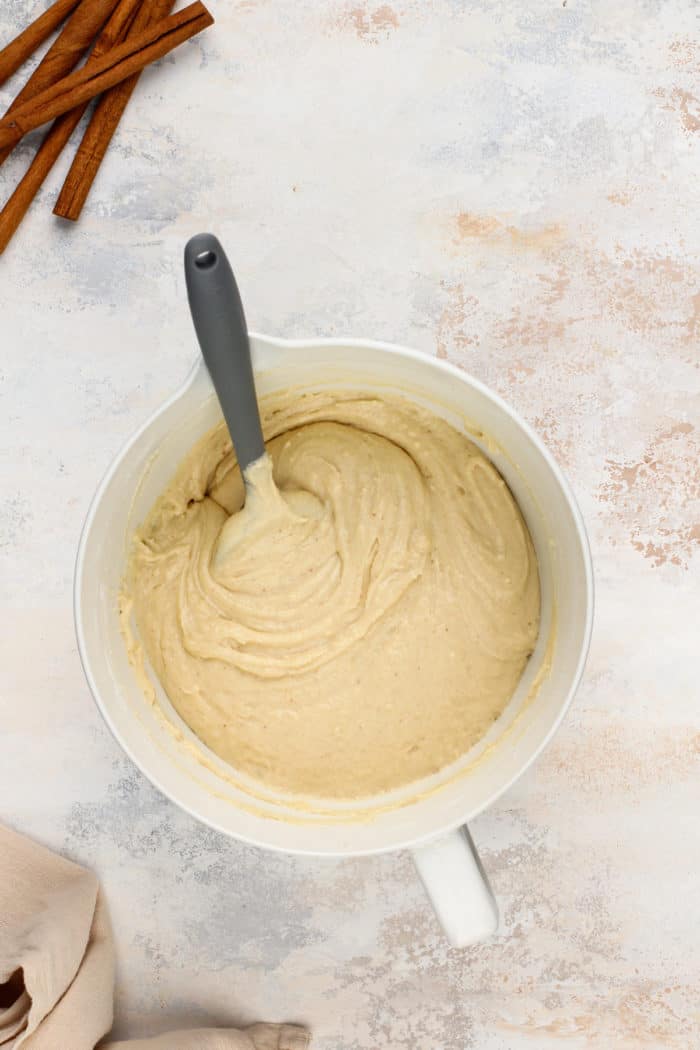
x=364 y=618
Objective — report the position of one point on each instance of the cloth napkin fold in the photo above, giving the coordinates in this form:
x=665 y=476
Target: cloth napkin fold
x=57 y=964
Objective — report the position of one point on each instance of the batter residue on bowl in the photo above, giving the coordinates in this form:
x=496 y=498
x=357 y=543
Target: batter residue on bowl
x=361 y=630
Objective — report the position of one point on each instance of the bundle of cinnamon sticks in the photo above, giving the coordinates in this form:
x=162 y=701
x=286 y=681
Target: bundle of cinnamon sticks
x=118 y=38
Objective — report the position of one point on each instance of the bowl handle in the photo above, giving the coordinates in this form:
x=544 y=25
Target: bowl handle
x=452 y=873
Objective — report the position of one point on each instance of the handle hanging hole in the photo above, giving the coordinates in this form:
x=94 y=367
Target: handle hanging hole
x=205 y=260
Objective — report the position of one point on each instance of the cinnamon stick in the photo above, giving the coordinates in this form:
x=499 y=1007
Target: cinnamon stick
x=115 y=31
x=101 y=129
x=23 y=46
x=66 y=51
x=121 y=62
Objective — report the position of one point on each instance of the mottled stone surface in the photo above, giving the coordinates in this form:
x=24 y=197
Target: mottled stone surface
x=511 y=186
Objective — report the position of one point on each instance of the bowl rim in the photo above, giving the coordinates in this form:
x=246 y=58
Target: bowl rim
x=463 y=377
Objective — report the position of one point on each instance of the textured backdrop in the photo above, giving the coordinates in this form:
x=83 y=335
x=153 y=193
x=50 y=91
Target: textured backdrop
x=512 y=186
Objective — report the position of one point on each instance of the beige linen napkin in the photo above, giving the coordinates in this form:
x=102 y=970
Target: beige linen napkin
x=57 y=964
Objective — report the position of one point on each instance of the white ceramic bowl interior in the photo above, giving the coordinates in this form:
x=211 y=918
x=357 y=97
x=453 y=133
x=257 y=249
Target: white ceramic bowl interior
x=141 y=472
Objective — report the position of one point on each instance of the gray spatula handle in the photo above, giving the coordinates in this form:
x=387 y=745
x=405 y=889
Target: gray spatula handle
x=220 y=324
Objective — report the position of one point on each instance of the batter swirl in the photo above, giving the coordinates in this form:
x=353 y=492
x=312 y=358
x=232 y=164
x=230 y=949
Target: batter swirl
x=362 y=621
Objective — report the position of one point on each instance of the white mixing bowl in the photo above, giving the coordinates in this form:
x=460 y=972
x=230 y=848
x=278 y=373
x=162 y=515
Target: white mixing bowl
x=433 y=824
